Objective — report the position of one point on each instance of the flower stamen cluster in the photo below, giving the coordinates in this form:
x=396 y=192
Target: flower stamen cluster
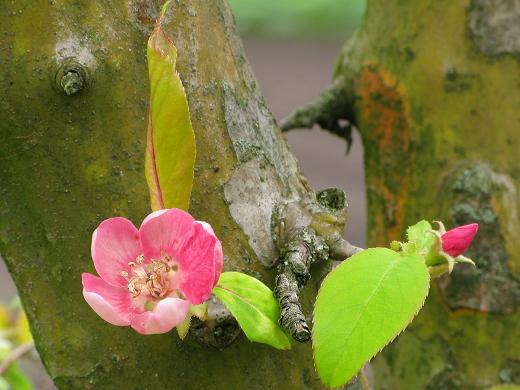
x=151 y=279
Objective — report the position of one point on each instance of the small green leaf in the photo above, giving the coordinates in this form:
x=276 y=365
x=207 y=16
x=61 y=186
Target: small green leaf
x=254 y=307
x=362 y=306
x=199 y=311
x=184 y=327
x=170 y=152
x=420 y=235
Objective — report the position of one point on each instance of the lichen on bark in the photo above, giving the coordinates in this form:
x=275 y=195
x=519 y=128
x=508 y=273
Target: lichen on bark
x=424 y=95
x=495 y=26
x=69 y=161
x=451 y=142
x=491 y=286
x=307 y=231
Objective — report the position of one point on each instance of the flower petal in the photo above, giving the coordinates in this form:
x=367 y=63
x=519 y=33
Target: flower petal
x=457 y=240
x=111 y=303
x=165 y=231
x=168 y=313
x=197 y=267
x=219 y=261
x=115 y=243
x=219 y=255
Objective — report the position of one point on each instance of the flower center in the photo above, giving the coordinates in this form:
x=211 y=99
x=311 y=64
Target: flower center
x=152 y=279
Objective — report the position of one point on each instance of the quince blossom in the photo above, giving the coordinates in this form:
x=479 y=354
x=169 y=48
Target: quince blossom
x=150 y=277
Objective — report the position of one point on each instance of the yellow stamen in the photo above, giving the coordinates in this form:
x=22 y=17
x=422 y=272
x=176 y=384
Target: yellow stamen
x=152 y=279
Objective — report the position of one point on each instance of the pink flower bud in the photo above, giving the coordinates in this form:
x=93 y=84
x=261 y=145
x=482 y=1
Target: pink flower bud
x=457 y=240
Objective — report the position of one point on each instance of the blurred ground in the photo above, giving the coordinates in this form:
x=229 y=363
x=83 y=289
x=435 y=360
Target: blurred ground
x=290 y=74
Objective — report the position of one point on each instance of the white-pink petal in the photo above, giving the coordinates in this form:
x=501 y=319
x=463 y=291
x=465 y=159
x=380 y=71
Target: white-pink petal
x=219 y=255
x=111 y=303
x=115 y=243
x=154 y=214
x=165 y=231
x=168 y=313
x=219 y=262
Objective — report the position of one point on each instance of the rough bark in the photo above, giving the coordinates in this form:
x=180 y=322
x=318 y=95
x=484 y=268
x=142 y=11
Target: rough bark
x=72 y=112
x=433 y=88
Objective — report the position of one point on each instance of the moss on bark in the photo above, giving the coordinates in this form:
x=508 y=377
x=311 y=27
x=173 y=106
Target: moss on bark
x=439 y=120
x=68 y=161
x=433 y=88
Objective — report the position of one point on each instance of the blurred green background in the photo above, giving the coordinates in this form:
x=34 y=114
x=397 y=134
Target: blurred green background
x=298 y=19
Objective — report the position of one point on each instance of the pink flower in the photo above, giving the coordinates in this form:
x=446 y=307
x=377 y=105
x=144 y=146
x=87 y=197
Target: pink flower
x=149 y=277
x=457 y=240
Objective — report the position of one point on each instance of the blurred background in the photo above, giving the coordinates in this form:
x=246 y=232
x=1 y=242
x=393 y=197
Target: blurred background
x=292 y=46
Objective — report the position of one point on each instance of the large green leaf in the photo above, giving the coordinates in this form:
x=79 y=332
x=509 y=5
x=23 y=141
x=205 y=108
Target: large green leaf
x=170 y=152
x=362 y=306
x=254 y=307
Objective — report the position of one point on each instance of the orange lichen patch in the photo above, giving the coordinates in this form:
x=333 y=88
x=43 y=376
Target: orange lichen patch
x=383 y=108
x=384 y=120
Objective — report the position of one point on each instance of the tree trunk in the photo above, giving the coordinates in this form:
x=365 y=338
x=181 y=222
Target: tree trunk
x=433 y=87
x=73 y=127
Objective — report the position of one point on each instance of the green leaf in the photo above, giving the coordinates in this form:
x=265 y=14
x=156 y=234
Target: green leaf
x=184 y=327
x=420 y=235
x=170 y=151
x=199 y=311
x=254 y=307
x=362 y=306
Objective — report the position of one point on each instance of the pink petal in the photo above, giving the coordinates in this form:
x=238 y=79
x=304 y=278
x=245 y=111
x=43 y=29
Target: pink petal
x=115 y=243
x=165 y=231
x=111 y=303
x=219 y=261
x=219 y=256
x=197 y=266
x=457 y=240
x=168 y=313
x=154 y=214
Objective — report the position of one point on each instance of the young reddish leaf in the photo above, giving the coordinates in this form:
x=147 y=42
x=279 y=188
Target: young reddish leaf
x=170 y=152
